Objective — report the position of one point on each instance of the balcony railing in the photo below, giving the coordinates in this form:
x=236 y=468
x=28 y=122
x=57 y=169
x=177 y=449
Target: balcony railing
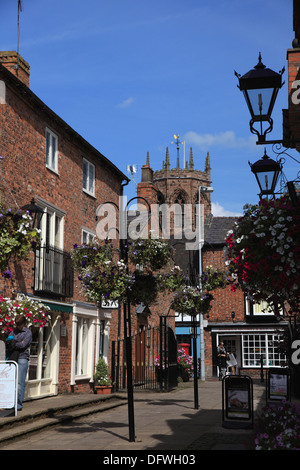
x=53 y=272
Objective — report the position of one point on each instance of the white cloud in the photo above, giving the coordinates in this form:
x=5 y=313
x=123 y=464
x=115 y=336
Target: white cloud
x=219 y=211
x=226 y=139
x=126 y=103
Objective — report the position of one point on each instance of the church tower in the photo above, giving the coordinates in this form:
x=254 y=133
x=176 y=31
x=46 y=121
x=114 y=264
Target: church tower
x=179 y=186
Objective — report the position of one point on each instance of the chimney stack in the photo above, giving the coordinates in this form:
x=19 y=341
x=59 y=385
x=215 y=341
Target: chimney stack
x=16 y=65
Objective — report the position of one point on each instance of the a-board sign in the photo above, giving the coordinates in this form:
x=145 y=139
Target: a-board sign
x=278 y=384
x=8 y=387
x=237 y=394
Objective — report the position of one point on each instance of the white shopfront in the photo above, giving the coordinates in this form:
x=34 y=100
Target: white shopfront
x=42 y=376
x=90 y=339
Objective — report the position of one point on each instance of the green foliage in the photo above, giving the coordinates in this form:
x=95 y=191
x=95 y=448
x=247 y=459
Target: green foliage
x=151 y=253
x=264 y=254
x=35 y=312
x=191 y=301
x=278 y=427
x=17 y=237
x=212 y=279
x=148 y=272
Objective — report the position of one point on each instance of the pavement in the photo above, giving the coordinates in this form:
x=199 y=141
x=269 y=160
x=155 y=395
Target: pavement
x=163 y=421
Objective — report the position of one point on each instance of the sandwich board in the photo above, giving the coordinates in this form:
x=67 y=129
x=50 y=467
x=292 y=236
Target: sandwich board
x=8 y=388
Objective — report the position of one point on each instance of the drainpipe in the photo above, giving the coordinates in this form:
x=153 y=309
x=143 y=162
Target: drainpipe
x=202 y=348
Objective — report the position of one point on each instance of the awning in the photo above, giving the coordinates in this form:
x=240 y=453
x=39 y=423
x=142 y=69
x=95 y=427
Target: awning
x=59 y=307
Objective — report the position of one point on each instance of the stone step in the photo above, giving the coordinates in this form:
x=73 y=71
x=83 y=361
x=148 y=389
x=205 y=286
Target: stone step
x=19 y=428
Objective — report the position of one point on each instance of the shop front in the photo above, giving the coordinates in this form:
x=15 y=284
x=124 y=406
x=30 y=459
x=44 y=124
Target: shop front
x=63 y=354
x=254 y=348
x=43 y=370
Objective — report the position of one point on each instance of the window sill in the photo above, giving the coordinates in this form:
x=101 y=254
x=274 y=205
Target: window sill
x=89 y=194
x=53 y=171
x=81 y=378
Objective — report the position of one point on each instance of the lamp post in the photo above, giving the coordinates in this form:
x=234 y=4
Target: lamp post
x=123 y=240
x=260 y=87
x=207 y=189
x=266 y=172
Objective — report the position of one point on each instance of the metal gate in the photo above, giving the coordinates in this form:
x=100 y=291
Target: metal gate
x=154 y=359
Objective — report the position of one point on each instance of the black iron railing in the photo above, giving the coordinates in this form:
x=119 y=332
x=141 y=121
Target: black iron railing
x=53 y=272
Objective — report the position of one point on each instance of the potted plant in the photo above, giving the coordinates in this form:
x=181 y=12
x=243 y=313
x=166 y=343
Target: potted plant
x=185 y=365
x=102 y=381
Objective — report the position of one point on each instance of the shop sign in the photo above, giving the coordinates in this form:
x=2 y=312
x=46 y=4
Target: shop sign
x=109 y=304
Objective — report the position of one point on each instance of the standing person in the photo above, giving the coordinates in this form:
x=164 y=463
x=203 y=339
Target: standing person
x=222 y=357
x=23 y=337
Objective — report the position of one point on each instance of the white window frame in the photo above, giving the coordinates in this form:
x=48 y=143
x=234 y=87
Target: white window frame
x=90 y=313
x=55 y=237
x=51 y=150
x=261 y=308
x=87 y=236
x=82 y=350
x=57 y=219
x=256 y=343
x=88 y=179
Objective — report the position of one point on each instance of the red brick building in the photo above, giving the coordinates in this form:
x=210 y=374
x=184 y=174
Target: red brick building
x=44 y=159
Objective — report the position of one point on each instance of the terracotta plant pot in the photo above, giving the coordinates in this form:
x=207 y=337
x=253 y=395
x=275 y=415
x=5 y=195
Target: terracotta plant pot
x=103 y=389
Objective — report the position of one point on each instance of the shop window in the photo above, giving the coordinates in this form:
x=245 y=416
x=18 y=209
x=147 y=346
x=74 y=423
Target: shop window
x=262 y=346
x=82 y=346
x=258 y=309
x=40 y=354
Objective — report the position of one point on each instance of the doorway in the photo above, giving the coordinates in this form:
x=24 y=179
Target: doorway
x=232 y=345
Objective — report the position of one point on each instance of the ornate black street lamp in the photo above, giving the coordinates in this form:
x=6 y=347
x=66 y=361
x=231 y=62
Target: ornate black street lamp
x=266 y=172
x=260 y=87
x=36 y=213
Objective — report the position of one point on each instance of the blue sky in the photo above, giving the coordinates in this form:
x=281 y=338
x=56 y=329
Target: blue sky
x=129 y=74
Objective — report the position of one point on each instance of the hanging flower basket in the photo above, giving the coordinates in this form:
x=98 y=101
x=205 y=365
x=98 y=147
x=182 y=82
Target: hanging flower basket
x=190 y=301
x=212 y=279
x=171 y=279
x=36 y=313
x=102 y=278
x=91 y=255
x=144 y=289
x=151 y=253
x=106 y=281
x=17 y=237
x=263 y=253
